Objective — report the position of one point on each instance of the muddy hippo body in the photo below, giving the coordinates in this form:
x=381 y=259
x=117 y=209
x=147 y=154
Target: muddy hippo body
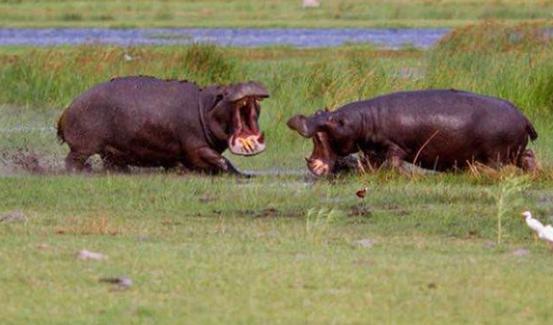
x=144 y=121
x=434 y=129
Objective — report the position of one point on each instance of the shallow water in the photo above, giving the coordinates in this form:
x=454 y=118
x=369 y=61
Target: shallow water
x=239 y=37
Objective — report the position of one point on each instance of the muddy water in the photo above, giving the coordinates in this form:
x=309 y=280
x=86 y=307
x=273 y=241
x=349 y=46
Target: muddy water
x=239 y=37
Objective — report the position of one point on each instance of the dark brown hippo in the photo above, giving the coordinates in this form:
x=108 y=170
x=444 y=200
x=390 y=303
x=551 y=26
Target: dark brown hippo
x=144 y=121
x=434 y=129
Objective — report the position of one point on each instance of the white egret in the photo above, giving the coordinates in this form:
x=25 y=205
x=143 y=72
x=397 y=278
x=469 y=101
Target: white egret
x=534 y=224
x=543 y=232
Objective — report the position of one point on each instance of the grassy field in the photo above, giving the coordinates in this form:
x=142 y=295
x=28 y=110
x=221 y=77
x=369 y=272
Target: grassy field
x=274 y=13
x=220 y=250
x=281 y=247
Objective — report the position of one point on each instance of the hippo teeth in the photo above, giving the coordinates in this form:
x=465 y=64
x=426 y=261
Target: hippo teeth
x=319 y=167
x=317 y=164
x=320 y=170
x=246 y=145
x=249 y=145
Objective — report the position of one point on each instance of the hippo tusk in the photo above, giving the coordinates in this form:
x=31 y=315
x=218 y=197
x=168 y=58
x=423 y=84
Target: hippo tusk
x=317 y=164
x=252 y=144
x=248 y=143
x=243 y=144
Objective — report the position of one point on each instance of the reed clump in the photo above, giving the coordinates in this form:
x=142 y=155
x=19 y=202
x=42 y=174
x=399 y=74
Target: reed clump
x=511 y=62
x=54 y=76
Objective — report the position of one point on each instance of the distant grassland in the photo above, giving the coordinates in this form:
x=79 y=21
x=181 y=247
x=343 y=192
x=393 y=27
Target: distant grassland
x=271 y=13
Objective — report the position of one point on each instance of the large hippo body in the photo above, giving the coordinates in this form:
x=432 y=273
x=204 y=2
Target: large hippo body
x=434 y=129
x=144 y=121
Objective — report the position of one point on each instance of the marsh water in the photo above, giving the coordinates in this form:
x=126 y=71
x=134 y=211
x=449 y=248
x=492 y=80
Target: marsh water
x=239 y=37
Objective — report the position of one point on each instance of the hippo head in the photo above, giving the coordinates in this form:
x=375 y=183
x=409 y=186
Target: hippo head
x=333 y=134
x=234 y=117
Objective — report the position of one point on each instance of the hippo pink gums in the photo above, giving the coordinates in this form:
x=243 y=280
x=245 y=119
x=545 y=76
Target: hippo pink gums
x=434 y=129
x=144 y=121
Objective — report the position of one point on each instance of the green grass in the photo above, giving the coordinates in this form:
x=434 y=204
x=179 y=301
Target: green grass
x=275 y=248
x=220 y=250
x=289 y=13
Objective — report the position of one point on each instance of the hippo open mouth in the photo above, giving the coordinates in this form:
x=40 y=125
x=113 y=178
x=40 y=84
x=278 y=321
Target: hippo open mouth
x=323 y=158
x=246 y=138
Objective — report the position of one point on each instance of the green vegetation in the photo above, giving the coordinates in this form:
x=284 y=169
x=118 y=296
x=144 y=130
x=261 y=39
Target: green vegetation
x=276 y=248
x=268 y=13
x=205 y=250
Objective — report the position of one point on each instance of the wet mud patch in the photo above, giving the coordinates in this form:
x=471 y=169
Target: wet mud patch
x=27 y=161
x=396 y=210
x=24 y=161
x=360 y=211
x=270 y=212
x=264 y=213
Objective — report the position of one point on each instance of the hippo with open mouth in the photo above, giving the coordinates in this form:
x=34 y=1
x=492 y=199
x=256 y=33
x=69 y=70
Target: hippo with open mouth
x=439 y=130
x=148 y=122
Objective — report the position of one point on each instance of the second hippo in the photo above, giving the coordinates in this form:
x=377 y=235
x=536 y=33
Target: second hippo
x=438 y=129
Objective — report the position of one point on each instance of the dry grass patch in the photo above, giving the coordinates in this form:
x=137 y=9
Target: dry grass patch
x=91 y=225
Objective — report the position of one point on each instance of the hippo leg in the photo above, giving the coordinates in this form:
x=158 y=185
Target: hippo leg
x=346 y=164
x=114 y=160
x=372 y=161
x=528 y=162
x=491 y=162
x=113 y=165
x=76 y=161
x=395 y=157
x=179 y=168
x=211 y=161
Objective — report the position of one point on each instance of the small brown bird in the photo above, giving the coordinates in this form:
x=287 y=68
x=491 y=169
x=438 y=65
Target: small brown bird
x=361 y=193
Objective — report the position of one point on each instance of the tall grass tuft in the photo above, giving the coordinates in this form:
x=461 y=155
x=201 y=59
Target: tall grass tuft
x=319 y=222
x=494 y=37
x=505 y=197
x=207 y=63
x=54 y=76
x=511 y=62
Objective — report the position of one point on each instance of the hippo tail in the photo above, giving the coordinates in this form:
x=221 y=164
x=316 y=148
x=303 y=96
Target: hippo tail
x=531 y=131
x=59 y=128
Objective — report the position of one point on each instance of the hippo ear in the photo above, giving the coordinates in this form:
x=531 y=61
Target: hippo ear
x=302 y=125
x=210 y=98
x=252 y=88
x=334 y=122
